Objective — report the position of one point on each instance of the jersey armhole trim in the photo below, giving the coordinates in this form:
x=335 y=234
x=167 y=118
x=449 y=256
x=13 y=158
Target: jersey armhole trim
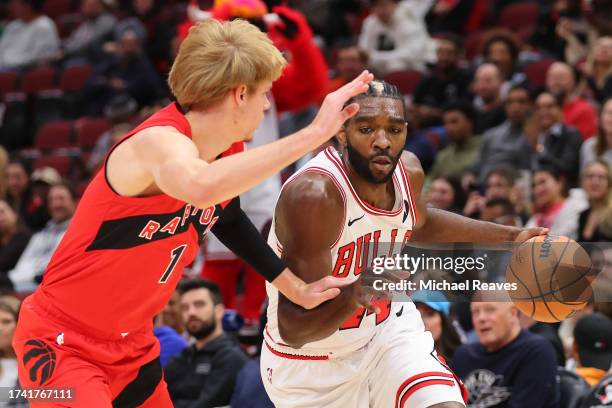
x=408 y=186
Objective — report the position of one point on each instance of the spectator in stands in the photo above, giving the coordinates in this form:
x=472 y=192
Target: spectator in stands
x=446 y=83
x=33 y=262
x=595 y=223
x=435 y=312
x=599 y=147
x=129 y=72
x=205 y=373
x=502 y=49
x=170 y=341
x=488 y=101
x=30 y=38
x=350 y=62
x=31 y=207
x=561 y=81
x=599 y=69
x=500 y=211
x=556 y=143
x=171 y=314
x=457 y=16
x=593 y=346
x=9 y=312
x=508 y=365
x=551 y=208
x=549 y=331
x=417 y=140
x=395 y=36
x=14 y=237
x=85 y=43
x=460 y=155
x=104 y=143
x=446 y=194
x=507 y=143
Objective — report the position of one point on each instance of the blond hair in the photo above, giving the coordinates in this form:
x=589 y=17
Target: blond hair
x=218 y=56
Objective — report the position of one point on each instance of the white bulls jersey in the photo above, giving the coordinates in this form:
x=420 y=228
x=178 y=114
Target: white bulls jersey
x=363 y=228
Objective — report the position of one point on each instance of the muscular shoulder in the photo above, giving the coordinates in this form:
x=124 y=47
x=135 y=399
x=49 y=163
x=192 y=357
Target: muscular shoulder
x=310 y=206
x=413 y=167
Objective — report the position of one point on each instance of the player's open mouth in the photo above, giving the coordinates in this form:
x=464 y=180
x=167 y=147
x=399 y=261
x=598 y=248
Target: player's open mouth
x=381 y=163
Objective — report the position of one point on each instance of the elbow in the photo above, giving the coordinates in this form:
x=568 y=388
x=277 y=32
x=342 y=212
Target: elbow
x=202 y=194
x=292 y=334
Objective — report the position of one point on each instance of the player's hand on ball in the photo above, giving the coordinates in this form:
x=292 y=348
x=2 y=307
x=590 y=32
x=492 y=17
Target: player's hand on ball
x=333 y=114
x=529 y=233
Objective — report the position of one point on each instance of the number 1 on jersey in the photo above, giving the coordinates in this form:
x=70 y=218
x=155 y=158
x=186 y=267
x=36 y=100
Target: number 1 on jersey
x=175 y=256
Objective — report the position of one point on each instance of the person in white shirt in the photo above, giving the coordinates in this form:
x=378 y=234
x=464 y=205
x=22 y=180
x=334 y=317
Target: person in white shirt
x=29 y=38
x=395 y=36
x=36 y=256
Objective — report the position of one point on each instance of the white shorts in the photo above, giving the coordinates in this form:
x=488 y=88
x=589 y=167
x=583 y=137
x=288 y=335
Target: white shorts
x=398 y=368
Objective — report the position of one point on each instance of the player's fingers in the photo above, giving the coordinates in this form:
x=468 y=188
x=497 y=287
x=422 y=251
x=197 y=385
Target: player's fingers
x=326 y=295
x=356 y=86
x=350 y=111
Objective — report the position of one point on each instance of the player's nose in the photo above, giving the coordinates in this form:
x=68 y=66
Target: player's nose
x=381 y=140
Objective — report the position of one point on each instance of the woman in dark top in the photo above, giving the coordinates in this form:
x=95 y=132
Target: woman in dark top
x=14 y=237
x=595 y=223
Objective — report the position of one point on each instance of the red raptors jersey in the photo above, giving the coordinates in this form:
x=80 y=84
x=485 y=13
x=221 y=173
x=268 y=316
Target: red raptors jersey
x=122 y=257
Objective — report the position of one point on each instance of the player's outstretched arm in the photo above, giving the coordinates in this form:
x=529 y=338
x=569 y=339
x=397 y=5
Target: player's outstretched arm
x=309 y=218
x=436 y=225
x=179 y=172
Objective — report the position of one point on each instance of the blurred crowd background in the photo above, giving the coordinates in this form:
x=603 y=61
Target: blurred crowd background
x=509 y=108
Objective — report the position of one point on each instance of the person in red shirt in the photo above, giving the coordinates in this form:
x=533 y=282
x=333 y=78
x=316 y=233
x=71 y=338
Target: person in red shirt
x=162 y=188
x=577 y=111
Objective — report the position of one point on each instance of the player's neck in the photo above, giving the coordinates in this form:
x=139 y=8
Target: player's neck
x=208 y=132
x=380 y=196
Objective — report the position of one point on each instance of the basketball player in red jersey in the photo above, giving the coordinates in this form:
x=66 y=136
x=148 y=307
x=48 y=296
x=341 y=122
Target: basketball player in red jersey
x=88 y=327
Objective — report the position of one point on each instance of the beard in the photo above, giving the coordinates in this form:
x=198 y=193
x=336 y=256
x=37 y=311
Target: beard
x=361 y=164
x=203 y=330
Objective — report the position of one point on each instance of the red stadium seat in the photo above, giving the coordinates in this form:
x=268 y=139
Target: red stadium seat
x=88 y=130
x=55 y=8
x=473 y=43
x=519 y=16
x=8 y=82
x=60 y=163
x=73 y=78
x=37 y=80
x=406 y=81
x=54 y=135
x=536 y=71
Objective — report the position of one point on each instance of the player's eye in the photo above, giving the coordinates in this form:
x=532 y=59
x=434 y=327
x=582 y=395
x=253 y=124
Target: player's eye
x=396 y=130
x=365 y=130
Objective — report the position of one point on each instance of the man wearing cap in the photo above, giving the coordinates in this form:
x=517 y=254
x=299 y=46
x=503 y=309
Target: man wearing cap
x=593 y=347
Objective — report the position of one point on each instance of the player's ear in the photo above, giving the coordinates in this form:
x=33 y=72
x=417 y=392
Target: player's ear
x=240 y=94
x=341 y=136
x=219 y=312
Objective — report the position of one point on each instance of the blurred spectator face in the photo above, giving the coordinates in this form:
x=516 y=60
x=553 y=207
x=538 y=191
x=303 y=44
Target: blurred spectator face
x=518 y=106
x=487 y=83
x=500 y=55
x=171 y=315
x=548 y=112
x=441 y=194
x=605 y=119
x=351 y=63
x=8 y=218
x=384 y=9
x=91 y=8
x=7 y=329
x=17 y=179
x=602 y=53
x=129 y=45
x=61 y=203
x=458 y=127
x=497 y=186
x=432 y=320
x=560 y=79
x=499 y=214
x=546 y=189
x=494 y=323
x=447 y=55
x=595 y=181
x=200 y=315
x=19 y=9
x=142 y=7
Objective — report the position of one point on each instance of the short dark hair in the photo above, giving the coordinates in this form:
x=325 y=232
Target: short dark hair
x=379 y=89
x=557 y=98
x=503 y=36
x=464 y=107
x=547 y=166
x=197 y=283
x=36 y=5
x=502 y=202
x=453 y=38
x=522 y=87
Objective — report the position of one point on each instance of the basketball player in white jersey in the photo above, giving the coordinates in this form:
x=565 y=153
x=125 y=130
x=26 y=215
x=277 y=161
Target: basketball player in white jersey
x=348 y=353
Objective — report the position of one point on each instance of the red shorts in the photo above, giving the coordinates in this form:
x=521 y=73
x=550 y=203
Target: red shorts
x=101 y=373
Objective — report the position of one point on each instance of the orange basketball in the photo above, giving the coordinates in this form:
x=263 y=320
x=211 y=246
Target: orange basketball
x=553 y=278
